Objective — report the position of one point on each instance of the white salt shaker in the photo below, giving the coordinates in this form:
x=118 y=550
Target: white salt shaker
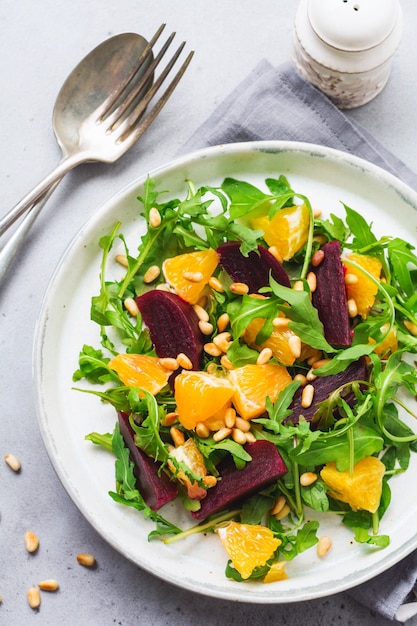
x=345 y=47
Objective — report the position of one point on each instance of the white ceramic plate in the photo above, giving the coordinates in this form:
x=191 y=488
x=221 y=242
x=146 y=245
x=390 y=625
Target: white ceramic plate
x=328 y=178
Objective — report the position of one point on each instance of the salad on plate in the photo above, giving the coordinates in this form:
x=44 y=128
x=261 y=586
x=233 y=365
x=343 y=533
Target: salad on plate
x=259 y=358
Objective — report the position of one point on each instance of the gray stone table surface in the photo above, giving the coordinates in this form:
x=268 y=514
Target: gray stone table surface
x=40 y=42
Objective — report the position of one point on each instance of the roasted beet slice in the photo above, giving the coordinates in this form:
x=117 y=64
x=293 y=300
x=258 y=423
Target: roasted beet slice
x=154 y=485
x=254 y=269
x=173 y=325
x=329 y=297
x=323 y=386
x=266 y=467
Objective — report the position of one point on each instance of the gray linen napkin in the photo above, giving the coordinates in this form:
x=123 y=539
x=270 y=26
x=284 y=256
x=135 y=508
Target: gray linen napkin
x=276 y=103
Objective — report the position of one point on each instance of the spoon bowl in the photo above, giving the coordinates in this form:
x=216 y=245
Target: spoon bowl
x=100 y=74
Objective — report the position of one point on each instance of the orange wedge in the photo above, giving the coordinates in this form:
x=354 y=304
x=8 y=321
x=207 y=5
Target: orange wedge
x=140 y=370
x=363 y=290
x=253 y=384
x=362 y=489
x=199 y=396
x=287 y=231
x=247 y=545
x=189 y=273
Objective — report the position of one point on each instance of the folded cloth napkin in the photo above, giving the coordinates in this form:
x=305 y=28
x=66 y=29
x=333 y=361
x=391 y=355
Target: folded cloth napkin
x=276 y=103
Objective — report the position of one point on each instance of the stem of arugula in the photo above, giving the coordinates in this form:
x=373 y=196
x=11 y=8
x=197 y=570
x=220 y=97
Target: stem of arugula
x=200 y=528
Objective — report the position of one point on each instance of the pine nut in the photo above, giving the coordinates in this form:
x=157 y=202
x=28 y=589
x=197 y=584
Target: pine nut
x=307 y=396
x=238 y=436
x=312 y=281
x=239 y=289
x=34 y=597
x=169 y=363
x=352 y=307
x=202 y=314
x=276 y=253
x=317 y=258
x=152 y=273
x=177 y=436
x=169 y=419
x=210 y=481
x=31 y=541
x=311 y=375
x=230 y=417
x=317 y=213
x=323 y=546
x=202 y=430
x=193 y=277
x=222 y=341
x=86 y=559
x=223 y=322
x=264 y=356
x=280 y=502
x=211 y=349
x=222 y=434
x=320 y=363
x=226 y=362
x=215 y=284
x=351 y=279
x=294 y=343
x=48 y=585
x=257 y=296
x=250 y=437
x=184 y=361
x=205 y=327
x=307 y=478
x=242 y=424
x=283 y=512
x=411 y=327
x=298 y=285
x=13 y=462
x=154 y=218
x=163 y=287
x=131 y=307
x=301 y=378
x=121 y=259
x=280 y=322
x=315 y=356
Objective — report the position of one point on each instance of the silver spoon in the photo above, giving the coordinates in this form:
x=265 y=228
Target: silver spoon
x=99 y=114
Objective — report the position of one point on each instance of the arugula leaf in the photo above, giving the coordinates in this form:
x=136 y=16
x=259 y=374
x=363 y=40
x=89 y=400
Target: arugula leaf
x=127 y=492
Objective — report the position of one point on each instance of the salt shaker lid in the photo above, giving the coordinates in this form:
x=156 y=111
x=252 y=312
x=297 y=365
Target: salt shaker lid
x=353 y=25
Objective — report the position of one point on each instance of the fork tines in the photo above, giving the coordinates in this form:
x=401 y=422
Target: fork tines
x=125 y=111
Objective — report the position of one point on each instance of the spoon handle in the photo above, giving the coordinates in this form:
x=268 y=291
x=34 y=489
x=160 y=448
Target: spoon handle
x=64 y=166
x=13 y=244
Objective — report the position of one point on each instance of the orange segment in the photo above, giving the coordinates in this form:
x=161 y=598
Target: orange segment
x=363 y=290
x=253 y=384
x=287 y=231
x=140 y=370
x=189 y=273
x=362 y=489
x=276 y=572
x=389 y=344
x=199 y=396
x=278 y=341
x=189 y=454
x=248 y=545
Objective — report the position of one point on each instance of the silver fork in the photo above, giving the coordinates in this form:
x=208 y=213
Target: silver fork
x=113 y=127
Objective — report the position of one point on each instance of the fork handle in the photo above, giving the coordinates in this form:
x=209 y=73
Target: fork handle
x=64 y=166
x=15 y=242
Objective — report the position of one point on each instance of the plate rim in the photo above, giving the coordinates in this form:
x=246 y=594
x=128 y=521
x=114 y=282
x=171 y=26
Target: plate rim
x=409 y=195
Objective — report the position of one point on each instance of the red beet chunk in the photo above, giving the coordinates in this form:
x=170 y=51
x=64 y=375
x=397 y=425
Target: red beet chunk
x=156 y=488
x=330 y=299
x=323 y=386
x=173 y=325
x=266 y=467
x=254 y=269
